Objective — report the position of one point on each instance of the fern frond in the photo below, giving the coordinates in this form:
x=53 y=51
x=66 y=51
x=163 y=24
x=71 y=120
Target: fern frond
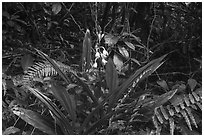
x=43 y=69
x=181 y=105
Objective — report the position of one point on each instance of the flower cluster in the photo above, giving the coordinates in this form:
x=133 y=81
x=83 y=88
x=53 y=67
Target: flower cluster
x=100 y=55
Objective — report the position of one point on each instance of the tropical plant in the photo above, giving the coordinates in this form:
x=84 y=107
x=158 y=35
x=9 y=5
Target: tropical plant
x=112 y=89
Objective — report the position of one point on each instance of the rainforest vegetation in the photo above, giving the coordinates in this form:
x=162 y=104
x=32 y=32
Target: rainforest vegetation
x=102 y=68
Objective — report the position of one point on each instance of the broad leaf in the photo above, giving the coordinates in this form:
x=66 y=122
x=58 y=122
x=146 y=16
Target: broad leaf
x=142 y=73
x=111 y=75
x=110 y=39
x=86 y=54
x=118 y=62
x=56 y=8
x=123 y=51
x=138 y=75
x=192 y=83
x=34 y=119
x=60 y=117
x=11 y=130
x=65 y=99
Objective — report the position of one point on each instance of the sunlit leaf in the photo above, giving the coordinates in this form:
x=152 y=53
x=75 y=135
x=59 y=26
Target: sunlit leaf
x=56 y=8
x=136 y=61
x=123 y=51
x=118 y=62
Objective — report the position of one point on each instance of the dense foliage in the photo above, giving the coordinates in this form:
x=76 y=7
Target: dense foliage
x=101 y=68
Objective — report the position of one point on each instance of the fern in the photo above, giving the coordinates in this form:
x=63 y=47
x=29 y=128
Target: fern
x=42 y=70
x=181 y=106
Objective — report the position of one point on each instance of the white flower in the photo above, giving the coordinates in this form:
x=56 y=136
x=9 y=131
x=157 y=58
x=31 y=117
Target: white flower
x=97 y=55
x=95 y=65
x=105 y=53
x=104 y=61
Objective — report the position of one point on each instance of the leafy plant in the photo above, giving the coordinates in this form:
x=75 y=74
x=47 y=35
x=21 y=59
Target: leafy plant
x=92 y=68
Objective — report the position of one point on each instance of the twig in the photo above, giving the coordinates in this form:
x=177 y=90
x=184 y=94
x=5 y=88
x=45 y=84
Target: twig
x=68 y=10
x=77 y=23
x=148 y=39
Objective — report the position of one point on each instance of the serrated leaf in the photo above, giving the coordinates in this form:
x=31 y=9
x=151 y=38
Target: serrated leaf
x=192 y=83
x=130 y=45
x=34 y=119
x=26 y=62
x=111 y=75
x=11 y=130
x=124 y=52
x=56 y=8
x=118 y=62
x=86 y=53
x=163 y=84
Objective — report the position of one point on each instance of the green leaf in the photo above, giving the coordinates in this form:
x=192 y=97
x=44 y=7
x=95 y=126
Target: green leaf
x=66 y=100
x=86 y=54
x=192 y=83
x=118 y=62
x=163 y=84
x=123 y=51
x=110 y=39
x=136 y=61
x=130 y=45
x=56 y=8
x=60 y=117
x=138 y=75
x=111 y=75
x=141 y=73
x=26 y=61
x=11 y=130
x=34 y=119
